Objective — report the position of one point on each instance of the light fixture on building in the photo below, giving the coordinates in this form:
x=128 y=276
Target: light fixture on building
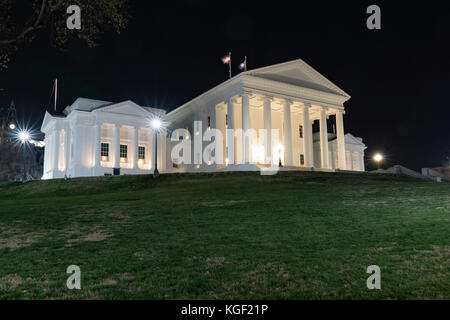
x=141 y=161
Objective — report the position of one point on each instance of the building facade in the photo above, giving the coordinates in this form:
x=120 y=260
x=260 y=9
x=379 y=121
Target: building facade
x=279 y=105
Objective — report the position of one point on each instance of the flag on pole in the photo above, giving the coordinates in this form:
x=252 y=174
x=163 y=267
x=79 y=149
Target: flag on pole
x=243 y=65
x=227 y=60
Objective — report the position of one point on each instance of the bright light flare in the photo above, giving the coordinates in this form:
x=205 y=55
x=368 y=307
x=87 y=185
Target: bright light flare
x=12 y=126
x=156 y=124
x=378 y=157
x=23 y=136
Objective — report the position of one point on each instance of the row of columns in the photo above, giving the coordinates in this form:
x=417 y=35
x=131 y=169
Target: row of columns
x=287 y=136
x=116 y=147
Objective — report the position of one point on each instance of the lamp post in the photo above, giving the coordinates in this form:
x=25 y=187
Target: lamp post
x=24 y=137
x=156 y=125
x=378 y=158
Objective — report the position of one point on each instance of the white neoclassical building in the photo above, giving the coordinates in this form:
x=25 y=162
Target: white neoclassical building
x=287 y=100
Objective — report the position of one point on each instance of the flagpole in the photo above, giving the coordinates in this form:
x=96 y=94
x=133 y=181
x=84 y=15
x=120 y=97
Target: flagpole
x=56 y=91
x=245 y=63
x=229 y=65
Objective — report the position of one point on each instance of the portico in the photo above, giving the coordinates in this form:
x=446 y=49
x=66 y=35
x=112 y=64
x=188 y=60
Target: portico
x=272 y=111
x=261 y=111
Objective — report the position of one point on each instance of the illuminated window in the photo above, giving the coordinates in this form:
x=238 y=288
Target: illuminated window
x=123 y=151
x=104 y=147
x=209 y=123
x=300 y=131
x=141 y=153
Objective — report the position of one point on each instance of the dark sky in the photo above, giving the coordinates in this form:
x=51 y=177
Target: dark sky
x=398 y=77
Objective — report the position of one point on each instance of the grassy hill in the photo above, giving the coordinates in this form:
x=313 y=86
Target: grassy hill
x=296 y=235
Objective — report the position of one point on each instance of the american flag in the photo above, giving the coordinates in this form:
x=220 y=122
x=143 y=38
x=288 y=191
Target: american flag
x=226 y=59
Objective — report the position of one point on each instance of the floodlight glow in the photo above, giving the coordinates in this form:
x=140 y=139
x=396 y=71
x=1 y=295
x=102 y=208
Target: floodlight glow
x=156 y=124
x=23 y=136
x=12 y=126
x=378 y=157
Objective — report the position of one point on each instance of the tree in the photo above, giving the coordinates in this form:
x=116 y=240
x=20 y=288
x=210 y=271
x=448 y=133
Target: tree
x=21 y=20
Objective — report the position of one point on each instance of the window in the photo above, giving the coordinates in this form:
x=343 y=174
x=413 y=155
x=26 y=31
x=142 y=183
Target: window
x=226 y=119
x=104 y=147
x=300 y=131
x=141 y=153
x=302 y=159
x=209 y=123
x=123 y=151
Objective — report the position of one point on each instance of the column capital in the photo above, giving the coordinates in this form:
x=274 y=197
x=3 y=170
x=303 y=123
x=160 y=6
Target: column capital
x=232 y=99
x=288 y=101
x=246 y=92
x=266 y=97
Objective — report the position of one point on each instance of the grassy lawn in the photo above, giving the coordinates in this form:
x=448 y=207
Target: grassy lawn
x=296 y=235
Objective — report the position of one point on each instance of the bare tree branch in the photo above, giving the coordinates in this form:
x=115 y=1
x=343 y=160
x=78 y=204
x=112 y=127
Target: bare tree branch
x=34 y=27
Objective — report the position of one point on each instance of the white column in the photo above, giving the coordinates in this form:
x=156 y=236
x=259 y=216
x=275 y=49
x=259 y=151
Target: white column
x=268 y=129
x=245 y=126
x=287 y=134
x=67 y=148
x=116 y=146
x=75 y=147
x=97 y=154
x=135 y=147
x=361 y=162
x=307 y=137
x=56 y=151
x=324 y=139
x=230 y=126
x=340 y=140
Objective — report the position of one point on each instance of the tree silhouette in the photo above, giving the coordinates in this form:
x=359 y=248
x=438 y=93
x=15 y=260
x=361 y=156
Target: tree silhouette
x=21 y=21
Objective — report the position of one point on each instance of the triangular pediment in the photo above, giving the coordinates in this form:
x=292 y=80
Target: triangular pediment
x=298 y=73
x=128 y=108
x=349 y=139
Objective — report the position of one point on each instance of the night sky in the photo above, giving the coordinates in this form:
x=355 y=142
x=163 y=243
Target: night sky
x=398 y=77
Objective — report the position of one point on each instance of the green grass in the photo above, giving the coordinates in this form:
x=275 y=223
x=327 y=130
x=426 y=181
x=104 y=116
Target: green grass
x=296 y=235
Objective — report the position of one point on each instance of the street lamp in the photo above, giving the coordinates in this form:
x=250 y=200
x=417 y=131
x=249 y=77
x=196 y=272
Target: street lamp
x=378 y=158
x=156 y=124
x=24 y=137
x=12 y=126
